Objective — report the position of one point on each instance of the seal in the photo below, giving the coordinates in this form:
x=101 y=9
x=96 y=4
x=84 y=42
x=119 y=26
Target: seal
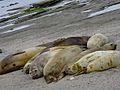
x=81 y=41
x=53 y=69
x=85 y=58
x=35 y=67
x=97 y=40
x=28 y=64
x=104 y=60
x=17 y=60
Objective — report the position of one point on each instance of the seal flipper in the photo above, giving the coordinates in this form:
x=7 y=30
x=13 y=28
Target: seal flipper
x=54 y=78
x=61 y=75
x=50 y=78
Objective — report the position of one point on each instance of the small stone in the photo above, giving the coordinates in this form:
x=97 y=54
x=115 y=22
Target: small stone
x=0 y=50
x=72 y=78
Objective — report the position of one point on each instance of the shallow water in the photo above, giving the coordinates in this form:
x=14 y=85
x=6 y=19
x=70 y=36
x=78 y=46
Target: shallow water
x=6 y=5
x=107 y=9
x=12 y=6
x=2 y=27
x=16 y=29
x=11 y=9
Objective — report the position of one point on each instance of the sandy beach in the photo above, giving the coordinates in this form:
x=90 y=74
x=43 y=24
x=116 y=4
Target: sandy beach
x=65 y=23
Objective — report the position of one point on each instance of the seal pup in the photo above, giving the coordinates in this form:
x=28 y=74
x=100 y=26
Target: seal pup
x=27 y=65
x=97 y=40
x=17 y=60
x=85 y=58
x=53 y=69
x=35 y=67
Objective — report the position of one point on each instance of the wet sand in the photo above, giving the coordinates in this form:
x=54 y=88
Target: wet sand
x=63 y=24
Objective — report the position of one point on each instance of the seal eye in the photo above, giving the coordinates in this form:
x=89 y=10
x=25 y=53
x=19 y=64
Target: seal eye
x=68 y=69
x=111 y=44
x=14 y=64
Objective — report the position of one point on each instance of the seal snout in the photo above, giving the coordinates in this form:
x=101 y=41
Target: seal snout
x=35 y=77
x=113 y=45
x=34 y=74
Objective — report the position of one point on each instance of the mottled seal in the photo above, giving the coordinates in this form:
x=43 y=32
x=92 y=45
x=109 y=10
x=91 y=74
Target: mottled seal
x=17 y=60
x=53 y=69
x=103 y=60
x=97 y=40
x=80 y=66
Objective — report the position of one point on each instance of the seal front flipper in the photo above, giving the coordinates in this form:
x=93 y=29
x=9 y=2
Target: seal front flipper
x=51 y=78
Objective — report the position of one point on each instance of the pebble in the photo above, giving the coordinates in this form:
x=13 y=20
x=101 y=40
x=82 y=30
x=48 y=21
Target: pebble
x=0 y=50
x=72 y=78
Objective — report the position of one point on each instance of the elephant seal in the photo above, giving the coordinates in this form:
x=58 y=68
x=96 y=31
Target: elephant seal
x=80 y=66
x=53 y=69
x=97 y=40
x=35 y=67
x=103 y=60
x=17 y=60
x=81 y=41
x=96 y=61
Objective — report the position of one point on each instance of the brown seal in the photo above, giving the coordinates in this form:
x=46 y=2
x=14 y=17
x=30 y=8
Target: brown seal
x=81 y=41
x=17 y=60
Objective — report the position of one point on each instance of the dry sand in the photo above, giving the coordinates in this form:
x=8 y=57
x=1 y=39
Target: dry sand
x=64 y=24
